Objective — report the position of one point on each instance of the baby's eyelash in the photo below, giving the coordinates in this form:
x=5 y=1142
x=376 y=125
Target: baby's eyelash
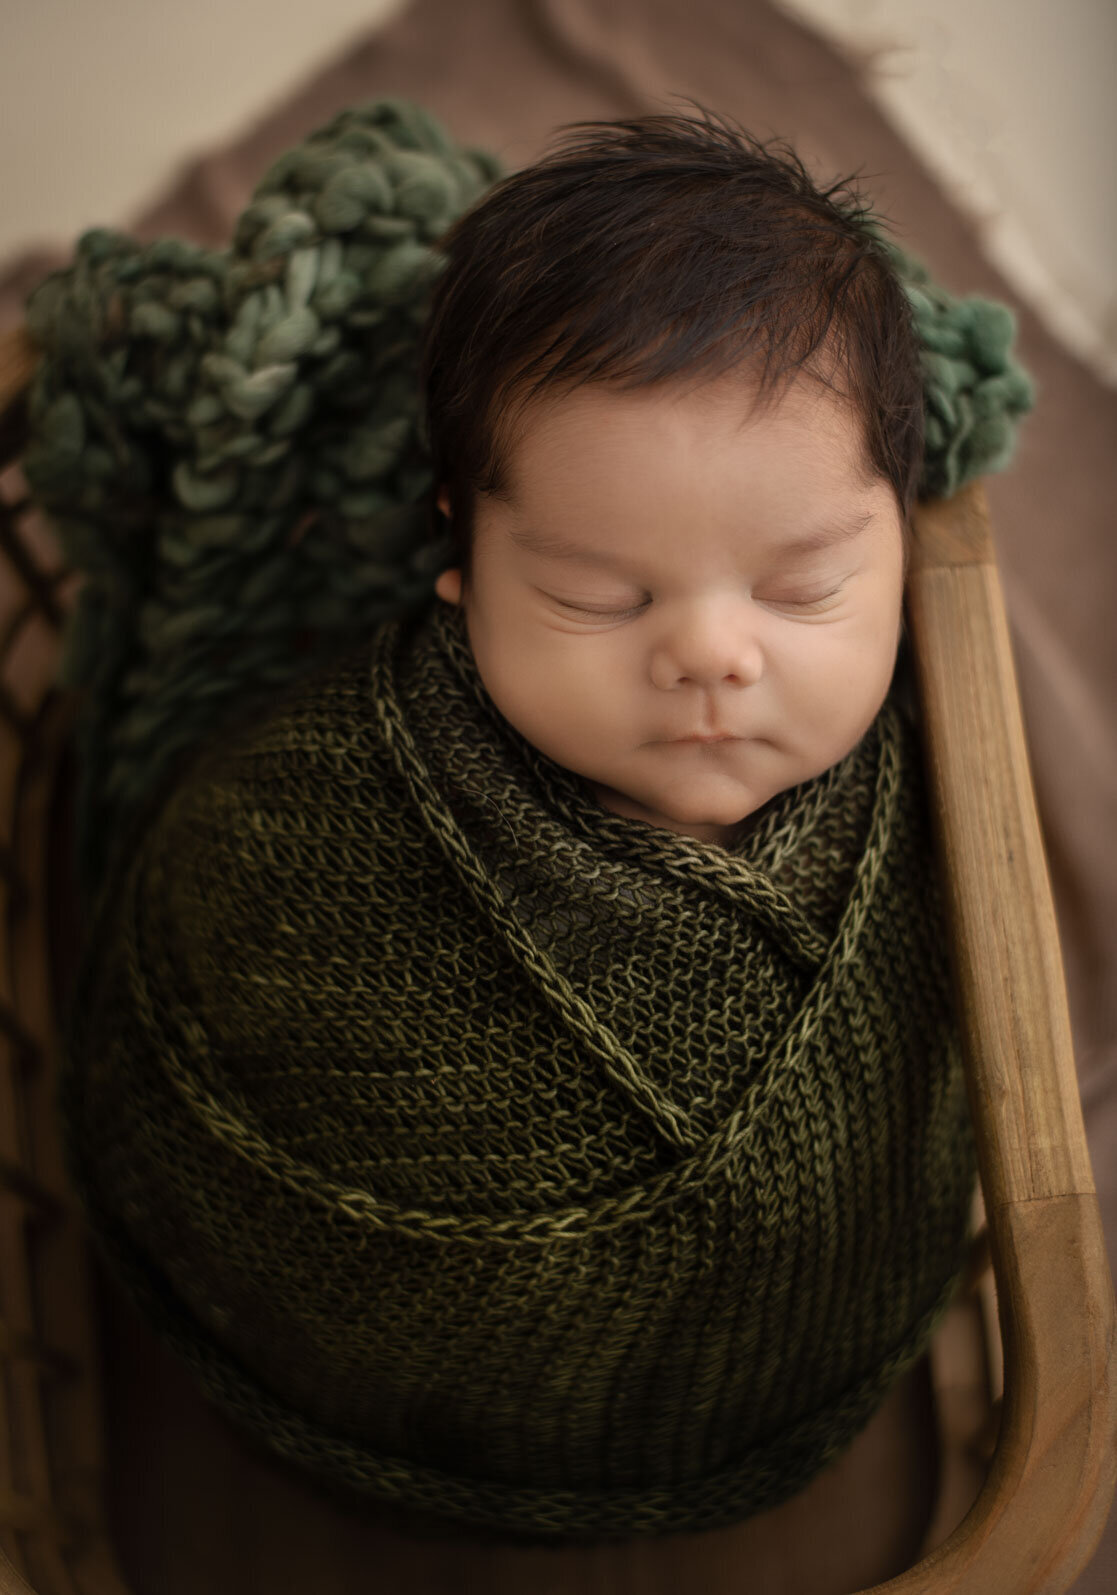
x=603 y=614
x=635 y=609
x=802 y=603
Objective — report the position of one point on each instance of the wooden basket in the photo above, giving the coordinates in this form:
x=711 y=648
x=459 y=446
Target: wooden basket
x=1040 y=1510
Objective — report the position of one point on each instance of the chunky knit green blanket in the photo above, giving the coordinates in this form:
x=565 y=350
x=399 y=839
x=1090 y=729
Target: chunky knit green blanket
x=495 y=1155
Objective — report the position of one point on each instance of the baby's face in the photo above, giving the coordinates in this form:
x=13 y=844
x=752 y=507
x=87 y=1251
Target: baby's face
x=668 y=567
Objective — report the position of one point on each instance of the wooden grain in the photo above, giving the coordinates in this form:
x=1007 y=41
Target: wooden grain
x=10 y=1581
x=1006 y=949
x=50 y=1423
x=18 y=358
x=953 y=531
x=1043 y=1508
x=1036 y=1522
x=71 y=1407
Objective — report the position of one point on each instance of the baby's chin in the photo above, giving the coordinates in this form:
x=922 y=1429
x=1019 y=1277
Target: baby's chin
x=708 y=816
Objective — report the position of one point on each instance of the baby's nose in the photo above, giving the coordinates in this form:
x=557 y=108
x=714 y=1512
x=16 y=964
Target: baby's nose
x=713 y=646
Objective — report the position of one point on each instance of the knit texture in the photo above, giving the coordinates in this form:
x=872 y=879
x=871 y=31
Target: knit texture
x=490 y=1153
x=227 y=441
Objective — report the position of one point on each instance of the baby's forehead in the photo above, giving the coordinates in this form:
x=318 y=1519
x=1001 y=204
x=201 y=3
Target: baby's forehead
x=598 y=440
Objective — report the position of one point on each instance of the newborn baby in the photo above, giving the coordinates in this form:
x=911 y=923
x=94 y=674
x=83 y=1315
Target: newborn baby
x=691 y=599
x=518 y=1072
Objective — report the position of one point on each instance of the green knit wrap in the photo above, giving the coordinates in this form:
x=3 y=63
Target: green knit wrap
x=499 y=1156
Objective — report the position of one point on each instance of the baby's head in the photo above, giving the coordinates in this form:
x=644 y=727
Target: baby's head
x=675 y=410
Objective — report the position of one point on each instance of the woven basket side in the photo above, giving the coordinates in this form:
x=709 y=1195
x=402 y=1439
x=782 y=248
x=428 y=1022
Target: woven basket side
x=52 y=1531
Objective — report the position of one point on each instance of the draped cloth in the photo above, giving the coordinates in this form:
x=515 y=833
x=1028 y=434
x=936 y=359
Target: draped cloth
x=497 y=1156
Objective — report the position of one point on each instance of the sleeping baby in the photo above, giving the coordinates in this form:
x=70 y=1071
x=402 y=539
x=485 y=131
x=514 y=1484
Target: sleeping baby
x=518 y=1069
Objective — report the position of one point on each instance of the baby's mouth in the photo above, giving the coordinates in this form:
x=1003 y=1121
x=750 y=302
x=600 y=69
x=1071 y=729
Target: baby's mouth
x=714 y=736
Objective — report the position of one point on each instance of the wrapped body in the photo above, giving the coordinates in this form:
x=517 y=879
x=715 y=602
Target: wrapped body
x=489 y=1153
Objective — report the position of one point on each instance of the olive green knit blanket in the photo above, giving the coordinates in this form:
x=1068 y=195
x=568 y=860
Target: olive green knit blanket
x=495 y=1155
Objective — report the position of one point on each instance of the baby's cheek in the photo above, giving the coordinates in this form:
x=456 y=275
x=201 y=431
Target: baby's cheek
x=561 y=714
x=839 y=697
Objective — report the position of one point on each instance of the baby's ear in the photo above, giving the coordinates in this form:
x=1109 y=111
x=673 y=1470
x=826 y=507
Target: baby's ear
x=449 y=585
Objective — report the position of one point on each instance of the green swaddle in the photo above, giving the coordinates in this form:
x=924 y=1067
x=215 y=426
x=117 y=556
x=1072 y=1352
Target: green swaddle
x=498 y=1156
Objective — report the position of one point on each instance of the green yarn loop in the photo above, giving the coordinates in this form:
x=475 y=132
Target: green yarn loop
x=228 y=441
x=974 y=392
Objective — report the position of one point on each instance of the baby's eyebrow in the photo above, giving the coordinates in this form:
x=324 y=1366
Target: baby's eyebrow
x=827 y=536
x=551 y=547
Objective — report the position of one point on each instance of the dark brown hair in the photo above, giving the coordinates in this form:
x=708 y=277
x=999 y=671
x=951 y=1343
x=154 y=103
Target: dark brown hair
x=668 y=247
